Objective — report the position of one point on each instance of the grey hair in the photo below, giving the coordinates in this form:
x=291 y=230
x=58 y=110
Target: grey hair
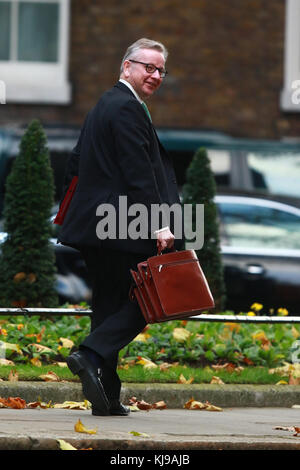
x=144 y=43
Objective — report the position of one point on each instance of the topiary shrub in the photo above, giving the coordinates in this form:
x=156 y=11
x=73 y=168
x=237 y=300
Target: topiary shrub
x=200 y=188
x=27 y=274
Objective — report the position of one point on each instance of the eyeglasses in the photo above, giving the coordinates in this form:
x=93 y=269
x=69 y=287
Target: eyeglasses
x=150 y=68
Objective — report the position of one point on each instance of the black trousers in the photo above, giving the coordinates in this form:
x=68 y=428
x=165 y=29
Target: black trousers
x=116 y=320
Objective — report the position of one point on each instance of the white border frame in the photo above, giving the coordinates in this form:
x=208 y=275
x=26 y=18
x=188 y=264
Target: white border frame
x=41 y=82
x=290 y=95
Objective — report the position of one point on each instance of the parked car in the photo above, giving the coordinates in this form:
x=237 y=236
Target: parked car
x=260 y=243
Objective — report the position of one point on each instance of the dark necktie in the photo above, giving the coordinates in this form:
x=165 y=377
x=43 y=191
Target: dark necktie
x=146 y=110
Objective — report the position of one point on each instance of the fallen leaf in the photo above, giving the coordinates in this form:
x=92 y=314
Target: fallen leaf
x=287 y=369
x=143 y=405
x=79 y=427
x=13 y=376
x=146 y=363
x=295 y=332
x=213 y=408
x=192 y=404
x=294 y=429
x=133 y=408
x=6 y=362
x=248 y=361
x=159 y=405
x=284 y=428
x=233 y=326
x=142 y=337
x=183 y=380
x=39 y=404
x=198 y=405
x=74 y=405
x=139 y=434
x=261 y=336
x=11 y=347
x=63 y=445
x=40 y=348
x=216 y=380
x=50 y=377
x=165 y=366
x=297 y=429
x=181 y=334
x=140 y=404
x=36 y=362
x=294 y=380
x=67 y=343
x=61 y=364
x=13 y=402
x=228 y=366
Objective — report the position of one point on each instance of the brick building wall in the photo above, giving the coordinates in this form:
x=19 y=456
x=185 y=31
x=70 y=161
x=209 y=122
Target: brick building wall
x=225 y=64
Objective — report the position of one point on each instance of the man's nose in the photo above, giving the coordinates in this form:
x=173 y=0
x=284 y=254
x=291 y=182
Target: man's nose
x=156 y=74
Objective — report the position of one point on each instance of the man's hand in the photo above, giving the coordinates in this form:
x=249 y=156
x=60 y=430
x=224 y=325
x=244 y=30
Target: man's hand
x=165 y=239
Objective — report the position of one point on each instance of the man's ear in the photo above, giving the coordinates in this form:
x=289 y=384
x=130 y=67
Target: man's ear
x=126 y=66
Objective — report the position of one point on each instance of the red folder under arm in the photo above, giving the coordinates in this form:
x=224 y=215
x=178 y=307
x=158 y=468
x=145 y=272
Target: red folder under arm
x=60 y=216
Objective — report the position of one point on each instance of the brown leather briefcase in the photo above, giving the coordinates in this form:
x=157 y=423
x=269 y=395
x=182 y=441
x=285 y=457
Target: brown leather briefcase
x=171 y=286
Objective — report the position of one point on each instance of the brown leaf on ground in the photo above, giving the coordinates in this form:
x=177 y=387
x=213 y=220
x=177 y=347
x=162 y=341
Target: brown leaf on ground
x=159 y=405
x=13 y=376
x=192 y=404
x=143 y=405
x=294 y=380
x=38 y=404
x=13 y=402
x=216 y=380
x=183 y=380
x=6 y=362
x=294 y=429
x=50 y=377
x=198 y=405
x=228 y=366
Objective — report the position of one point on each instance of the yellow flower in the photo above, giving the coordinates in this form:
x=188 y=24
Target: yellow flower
x=3 y=332
x=251 y=314
x=256 y=307
x=282 y=311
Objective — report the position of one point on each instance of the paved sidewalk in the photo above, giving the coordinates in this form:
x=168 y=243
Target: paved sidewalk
x=166 y=430
x=248 y=419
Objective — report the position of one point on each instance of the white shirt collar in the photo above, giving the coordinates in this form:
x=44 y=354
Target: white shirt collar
x=131 y=88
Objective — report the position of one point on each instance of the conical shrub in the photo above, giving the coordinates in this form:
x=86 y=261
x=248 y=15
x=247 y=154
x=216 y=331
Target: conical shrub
x=27 y=274
x=200 y=188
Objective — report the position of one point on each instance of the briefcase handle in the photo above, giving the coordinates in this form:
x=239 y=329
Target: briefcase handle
x=159 y=251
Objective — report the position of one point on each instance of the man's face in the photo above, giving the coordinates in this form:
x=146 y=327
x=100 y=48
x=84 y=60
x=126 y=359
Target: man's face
x=144 y=83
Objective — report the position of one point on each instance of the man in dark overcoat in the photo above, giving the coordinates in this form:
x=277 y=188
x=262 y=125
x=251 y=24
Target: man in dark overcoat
x=118 y=157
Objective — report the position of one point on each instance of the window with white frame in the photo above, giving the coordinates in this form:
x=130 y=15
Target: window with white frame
x=34 y=50
x=290 y=95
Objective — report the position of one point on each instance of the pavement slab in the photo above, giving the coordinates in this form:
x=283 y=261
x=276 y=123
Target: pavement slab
x=166 y=430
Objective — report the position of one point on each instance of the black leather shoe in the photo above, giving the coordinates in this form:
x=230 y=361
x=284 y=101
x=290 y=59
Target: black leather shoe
x=115 y=409
x=91 y=381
